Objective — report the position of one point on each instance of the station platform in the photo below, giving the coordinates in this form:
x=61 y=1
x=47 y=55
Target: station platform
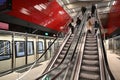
x=35 y=72
x=114 y=64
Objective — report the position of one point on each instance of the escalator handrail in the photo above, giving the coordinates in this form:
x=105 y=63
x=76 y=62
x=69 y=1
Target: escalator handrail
x=36 y=61
x=103 y=48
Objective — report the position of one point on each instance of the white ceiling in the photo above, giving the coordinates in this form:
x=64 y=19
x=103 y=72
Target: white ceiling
x=73 y=7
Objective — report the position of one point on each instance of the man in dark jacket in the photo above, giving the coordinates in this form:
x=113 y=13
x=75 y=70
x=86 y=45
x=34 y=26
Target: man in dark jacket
x=71 y=27
x=93 y=10
x=83 y=9
x=78 y=22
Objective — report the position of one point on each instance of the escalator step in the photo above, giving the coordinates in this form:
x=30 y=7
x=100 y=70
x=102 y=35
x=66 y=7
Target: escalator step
x=65 y=48
x=90 y=68
x=91 y=45
x=90 y=62
x=92 y=41
x=89 y=76
x=68 y=42
x=92 y=57
x=94 y=38
x=91 y=37
x=63 y=52
x=91 y=52
x=61 y=56
x=91 y=48
x=59 y=60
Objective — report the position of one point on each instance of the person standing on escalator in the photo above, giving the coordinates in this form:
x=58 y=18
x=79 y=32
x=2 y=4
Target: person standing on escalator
x=71 y=27
x=83 y=9
x=78 y=22
x=93 y=9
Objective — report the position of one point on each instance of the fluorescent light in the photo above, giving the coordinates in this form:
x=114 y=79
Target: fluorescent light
x=38 y=7
x=25 y=11
x=113 y=2
x=43 y=6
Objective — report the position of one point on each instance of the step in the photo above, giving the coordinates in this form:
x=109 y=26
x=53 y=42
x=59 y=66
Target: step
x=94 y=38
x=90 y=48
x=92 y=41
x=91 y=44
x=61 y=56
x=91 y=52
x=92 y=57
x=68 y=42
x=90 y=62
x=63 y=52
x=91 y=37
x=65 y=48
x=90 y=68
x=59 y=60
x=89 y=76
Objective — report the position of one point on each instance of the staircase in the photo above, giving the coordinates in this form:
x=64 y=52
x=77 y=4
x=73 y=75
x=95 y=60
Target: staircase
x=90 y=68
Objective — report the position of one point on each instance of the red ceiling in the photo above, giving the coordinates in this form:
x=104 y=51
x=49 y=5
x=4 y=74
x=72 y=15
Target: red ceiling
x=114 y=18
x=53 y=16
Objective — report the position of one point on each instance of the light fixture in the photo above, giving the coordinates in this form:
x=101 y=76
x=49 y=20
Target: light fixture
x=43 y=6
x=113 y=2
x=38 y=7
x=25 y=11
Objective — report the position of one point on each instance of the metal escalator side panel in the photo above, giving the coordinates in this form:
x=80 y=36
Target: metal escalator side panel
x=102 y=73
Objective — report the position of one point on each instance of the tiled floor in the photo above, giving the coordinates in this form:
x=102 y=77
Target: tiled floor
x=114 y=64
x=35 y=72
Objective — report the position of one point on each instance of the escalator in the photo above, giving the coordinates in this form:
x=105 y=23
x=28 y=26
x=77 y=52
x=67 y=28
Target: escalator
x=90 y=68
x=61 y=66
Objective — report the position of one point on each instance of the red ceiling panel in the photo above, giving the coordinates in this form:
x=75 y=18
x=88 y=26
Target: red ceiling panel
x=41 y=12
x=114 y=18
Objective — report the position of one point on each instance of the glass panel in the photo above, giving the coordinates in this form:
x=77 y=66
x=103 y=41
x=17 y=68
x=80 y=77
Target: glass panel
x=30 y=48
x=20 y=48
x=4 y=49
x=40 y=47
